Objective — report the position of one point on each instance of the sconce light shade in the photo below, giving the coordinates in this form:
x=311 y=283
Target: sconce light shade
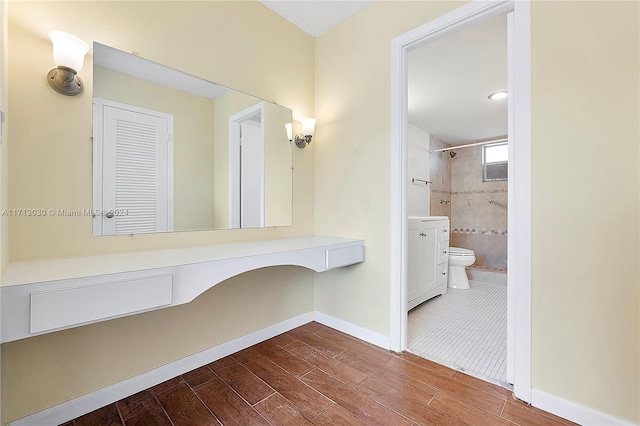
x=308 y=127
x=68 y=54
x=68 y=50
x=289 y=128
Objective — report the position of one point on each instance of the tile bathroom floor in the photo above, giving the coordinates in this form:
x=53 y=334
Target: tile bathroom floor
x=464 y=329
x=314 y=375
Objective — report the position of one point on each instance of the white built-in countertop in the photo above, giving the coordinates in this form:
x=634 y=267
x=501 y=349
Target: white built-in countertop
x=43 y=296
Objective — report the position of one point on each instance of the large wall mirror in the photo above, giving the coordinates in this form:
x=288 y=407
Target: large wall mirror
x=173 y=152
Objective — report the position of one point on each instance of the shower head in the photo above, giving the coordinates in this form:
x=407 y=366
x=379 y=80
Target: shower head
x=453 y=153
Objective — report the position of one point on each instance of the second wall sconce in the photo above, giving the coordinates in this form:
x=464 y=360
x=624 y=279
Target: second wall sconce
x=68 y=54
x=302 y=139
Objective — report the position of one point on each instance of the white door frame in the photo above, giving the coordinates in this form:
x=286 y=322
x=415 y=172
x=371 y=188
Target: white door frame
x=519 y=226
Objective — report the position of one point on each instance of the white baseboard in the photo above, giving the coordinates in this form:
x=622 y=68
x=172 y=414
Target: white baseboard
x=76 y=407
x=353 y=330
x=575 y=412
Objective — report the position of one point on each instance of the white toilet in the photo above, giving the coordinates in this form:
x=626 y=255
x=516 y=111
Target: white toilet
x=459 y=258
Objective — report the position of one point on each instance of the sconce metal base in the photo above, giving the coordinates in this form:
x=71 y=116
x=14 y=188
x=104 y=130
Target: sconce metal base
x=302 y=140
x=64 y=81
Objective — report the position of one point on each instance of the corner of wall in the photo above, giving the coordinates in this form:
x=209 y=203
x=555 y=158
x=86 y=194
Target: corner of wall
x=4 y=237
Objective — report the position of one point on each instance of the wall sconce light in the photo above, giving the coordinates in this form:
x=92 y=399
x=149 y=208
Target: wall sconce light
x=308 y=127
x=68 y=54
x=302 y=139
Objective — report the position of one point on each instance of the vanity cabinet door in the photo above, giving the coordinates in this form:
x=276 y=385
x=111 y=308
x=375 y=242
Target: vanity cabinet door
x=422 y=258
x=429 y=243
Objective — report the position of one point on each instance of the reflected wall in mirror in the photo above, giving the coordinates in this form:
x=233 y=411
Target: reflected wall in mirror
x=173 y=152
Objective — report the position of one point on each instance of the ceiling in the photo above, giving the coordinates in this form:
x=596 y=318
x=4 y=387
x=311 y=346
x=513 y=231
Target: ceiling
x=315 y=17
x=451 y=78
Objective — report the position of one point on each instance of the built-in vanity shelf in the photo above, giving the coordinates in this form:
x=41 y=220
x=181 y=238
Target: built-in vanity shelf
x=49 y=295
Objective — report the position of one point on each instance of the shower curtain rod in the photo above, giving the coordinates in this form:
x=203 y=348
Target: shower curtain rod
x=485 y=142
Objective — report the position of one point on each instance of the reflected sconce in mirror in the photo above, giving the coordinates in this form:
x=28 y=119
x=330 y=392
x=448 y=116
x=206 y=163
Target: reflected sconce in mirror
x=302 y=139
x=289 y=128
x=68 y=54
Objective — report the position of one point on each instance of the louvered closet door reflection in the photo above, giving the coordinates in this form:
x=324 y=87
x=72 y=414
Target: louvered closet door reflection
x=135 y=172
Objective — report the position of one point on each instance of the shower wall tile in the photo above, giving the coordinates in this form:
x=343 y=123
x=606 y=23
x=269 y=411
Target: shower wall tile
x=490 y=250
x=477 y=224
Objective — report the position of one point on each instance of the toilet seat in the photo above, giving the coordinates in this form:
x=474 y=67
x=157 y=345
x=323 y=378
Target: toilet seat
x=457 y=251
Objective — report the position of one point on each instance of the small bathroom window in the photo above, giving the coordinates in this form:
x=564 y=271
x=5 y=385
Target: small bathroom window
x=494 y=161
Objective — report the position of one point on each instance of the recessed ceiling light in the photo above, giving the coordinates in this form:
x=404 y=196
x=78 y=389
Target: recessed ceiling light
x=498 y=95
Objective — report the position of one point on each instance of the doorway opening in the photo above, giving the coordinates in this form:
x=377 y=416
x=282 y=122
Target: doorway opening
x=457 y=139
x=519 y=172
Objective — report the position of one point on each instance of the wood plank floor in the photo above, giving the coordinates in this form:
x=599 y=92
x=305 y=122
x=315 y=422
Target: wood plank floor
x=314 y=375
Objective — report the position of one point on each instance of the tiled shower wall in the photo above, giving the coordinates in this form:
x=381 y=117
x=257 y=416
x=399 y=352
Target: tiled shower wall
x=440 y=163
x=477 y=224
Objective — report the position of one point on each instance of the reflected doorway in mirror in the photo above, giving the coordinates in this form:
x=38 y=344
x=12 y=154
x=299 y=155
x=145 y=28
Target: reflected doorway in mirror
x=133 y=164
x=246 y=168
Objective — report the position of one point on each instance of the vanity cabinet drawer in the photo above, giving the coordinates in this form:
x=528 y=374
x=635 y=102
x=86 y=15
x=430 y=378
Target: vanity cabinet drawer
x=335 y=258
x=80 y=305
x=443 y=231
x=443 y=251
x=443 y=270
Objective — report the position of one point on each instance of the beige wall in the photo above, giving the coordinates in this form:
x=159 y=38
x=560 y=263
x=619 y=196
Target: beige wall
x=4 y=170
x=193 y=183
x=585 y=203
x=4 y=235
x=227 y=42
x=585 y=186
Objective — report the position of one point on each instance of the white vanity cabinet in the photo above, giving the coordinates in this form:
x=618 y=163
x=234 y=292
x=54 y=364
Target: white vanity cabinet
x=428 y=262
